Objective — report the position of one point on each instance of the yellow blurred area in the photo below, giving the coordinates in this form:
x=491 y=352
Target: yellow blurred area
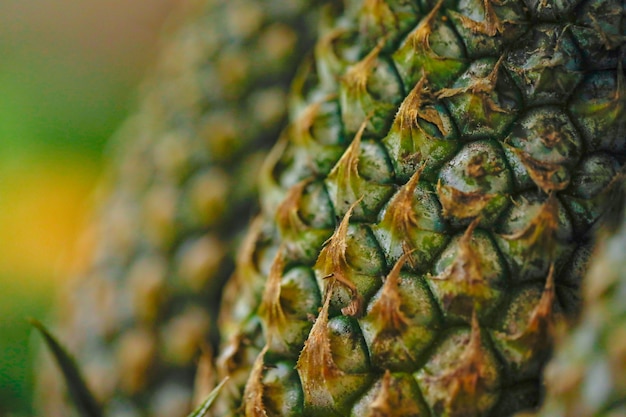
x=45 y=207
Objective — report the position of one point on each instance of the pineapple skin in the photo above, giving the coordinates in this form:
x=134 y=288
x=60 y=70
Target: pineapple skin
x=587 y=376
x=180 y=190
x=428 y=214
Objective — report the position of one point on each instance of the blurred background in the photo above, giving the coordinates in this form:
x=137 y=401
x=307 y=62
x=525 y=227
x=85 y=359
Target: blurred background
x=68 y=76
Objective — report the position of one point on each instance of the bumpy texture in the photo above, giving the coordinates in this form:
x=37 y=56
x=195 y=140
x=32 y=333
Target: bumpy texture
x=182 y=190
x=427 y=214
x=587 y=377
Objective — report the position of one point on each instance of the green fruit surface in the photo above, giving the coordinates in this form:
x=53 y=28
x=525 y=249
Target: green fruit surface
x=428 y=213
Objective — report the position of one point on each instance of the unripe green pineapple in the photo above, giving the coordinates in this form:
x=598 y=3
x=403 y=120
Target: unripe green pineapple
x=587 y=377
x=182 y=187
x=427 y=215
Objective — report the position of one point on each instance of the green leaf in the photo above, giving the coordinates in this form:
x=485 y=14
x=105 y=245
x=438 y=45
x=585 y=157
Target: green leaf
x=208 y=401
x=82 y=397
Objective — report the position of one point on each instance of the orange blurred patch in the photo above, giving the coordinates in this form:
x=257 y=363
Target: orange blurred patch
x=43 y=209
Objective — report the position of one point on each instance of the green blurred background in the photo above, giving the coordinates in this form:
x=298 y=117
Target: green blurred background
x=68 y=76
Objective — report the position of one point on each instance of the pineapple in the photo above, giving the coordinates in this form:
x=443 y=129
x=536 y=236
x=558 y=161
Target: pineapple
x=587 y=377
x=182 y=188
x=427 y=215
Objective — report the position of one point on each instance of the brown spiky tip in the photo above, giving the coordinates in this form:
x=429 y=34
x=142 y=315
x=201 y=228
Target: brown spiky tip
x=311 y=152
x=272 y=193
x=545 y=144
x=475 y=183
x=290 y=297
x=432 y=47
x=345 y=174
x=332 y=264
x=377 y=20
x=462 y=377
x=287 y=217
x=542 y=227
x=420 y=37
x=535 y=241
x=490 y=26
x=400 y=219
x=462 y=205
x=469 y=284
x=253 y=392
x=357 y=75
x=546 y=65
x=313 y=147
x=381 y=406
x=270 y=310
x=483 y=100
x=325 y=386
x=529 y=329
x=377 y=12
x=304 y=122
x=419 y=105
x=401 y=321
x=541 y=323
x=305 y=220
x=482 y=86
x=548 y=176
x=345 y=184
x=330 y=59
x=387 y=308
x=599 y=34
x=422 y=133
x=393 y=394
x=599 y=104
x=549 y=10
x=241 y=293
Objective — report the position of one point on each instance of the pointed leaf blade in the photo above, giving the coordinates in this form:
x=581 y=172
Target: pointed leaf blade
x=83 y=399
x=208 y=401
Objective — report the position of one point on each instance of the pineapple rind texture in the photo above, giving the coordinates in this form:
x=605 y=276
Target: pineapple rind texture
x=587 y=376
x=181 y=190
x=443 y=173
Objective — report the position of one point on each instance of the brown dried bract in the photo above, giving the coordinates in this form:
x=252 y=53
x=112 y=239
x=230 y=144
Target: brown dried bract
x=539 y=236
x=492 y=24
x=462 y=205
x=381 y=406
x=270 y=309
x=287 y=216
x=387 y=307
x=333 y=264
x=420 y=36
x=316 y=365
x=483 y=87
x=253 y=392
x=539 y=331
x=419 y=105
x=357 y=75
x=400 y=217
x=466 y=276
x=468 y=382
x=544 y=174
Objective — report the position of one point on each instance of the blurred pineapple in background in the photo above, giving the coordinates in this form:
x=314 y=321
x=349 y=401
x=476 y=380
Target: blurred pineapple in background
x=67 y=76
x=182 y=188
